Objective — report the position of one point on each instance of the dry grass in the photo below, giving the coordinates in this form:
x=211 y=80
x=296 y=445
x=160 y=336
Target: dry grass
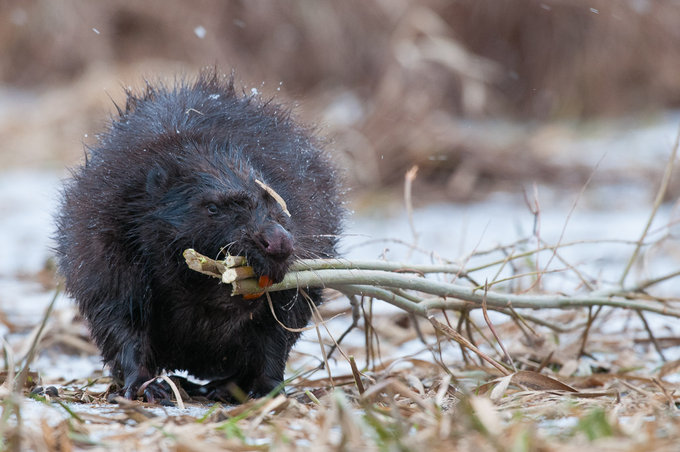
x=555 y=380
x=403 y=402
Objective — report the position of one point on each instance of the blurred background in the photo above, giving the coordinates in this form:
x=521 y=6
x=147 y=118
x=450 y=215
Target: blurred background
x=483 y=95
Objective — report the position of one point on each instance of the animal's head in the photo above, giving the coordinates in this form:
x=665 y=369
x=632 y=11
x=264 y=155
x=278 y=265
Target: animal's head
x=219 y=208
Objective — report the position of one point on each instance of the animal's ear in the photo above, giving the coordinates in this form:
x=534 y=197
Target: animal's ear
x=156 y=180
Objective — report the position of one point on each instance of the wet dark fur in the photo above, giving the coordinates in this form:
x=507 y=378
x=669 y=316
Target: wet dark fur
x=177 y=170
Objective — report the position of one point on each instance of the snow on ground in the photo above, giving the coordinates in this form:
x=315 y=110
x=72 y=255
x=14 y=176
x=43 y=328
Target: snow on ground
x=27 y=202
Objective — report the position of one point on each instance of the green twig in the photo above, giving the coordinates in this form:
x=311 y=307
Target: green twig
x=340 y=279
x=340 y=264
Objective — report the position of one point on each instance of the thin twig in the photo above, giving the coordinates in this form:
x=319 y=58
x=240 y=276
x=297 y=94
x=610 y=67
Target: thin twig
x=356 y=316
x=657 y=347
x=657 y=203
x=408 y=201
x=531 y=252
x=586 y=330
x=493 y=330
x=626 y=292
x=573 y=208
x=28 y=360
x=453 y=334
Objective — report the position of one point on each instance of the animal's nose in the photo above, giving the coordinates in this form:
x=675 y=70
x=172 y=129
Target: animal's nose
x=276 y=242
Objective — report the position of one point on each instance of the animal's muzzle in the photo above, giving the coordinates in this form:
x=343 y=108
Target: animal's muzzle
x=275 y=242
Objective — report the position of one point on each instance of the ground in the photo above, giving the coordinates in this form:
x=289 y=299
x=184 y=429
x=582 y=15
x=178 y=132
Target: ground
x=544 y=389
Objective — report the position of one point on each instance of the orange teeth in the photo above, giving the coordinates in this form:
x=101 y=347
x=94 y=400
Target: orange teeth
x=264 y=281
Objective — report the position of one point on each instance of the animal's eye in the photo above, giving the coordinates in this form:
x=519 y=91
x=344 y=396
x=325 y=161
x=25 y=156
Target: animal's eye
x=212 y=209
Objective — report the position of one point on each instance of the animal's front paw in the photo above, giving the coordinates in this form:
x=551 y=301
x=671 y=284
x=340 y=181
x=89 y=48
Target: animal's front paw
x=151 y=391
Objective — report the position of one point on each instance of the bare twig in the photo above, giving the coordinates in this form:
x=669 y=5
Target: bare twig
x=356 y=316
x=573 y=208
x=665 y=181
x=493 y=330
x=408 y=201
x=453 y=334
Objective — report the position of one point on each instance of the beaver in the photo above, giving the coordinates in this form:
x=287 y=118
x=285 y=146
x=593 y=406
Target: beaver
x=192 y=165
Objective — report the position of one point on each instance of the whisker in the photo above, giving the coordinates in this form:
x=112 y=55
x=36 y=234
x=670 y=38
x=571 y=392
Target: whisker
x=225 y=249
